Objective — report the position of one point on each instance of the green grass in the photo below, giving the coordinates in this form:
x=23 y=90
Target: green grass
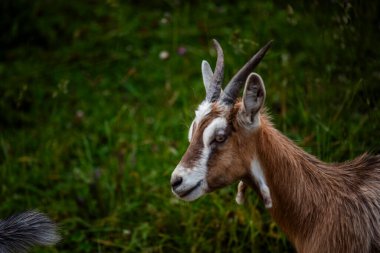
x=92 y=121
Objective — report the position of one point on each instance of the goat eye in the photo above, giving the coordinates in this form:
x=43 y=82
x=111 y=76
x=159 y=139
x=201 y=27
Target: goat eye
x=220 y=138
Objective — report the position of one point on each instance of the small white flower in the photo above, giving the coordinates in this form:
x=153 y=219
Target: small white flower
x=164 y=55
x=79 y=114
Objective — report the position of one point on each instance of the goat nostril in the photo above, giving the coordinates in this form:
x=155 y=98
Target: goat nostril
x=175 y=182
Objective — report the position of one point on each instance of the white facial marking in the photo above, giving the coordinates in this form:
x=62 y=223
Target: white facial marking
x=194 y=182
x=210 y=130
x=203 y=109
x=258 y=175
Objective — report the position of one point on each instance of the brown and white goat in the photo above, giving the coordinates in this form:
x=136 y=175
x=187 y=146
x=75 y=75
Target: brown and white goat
x=321 y=207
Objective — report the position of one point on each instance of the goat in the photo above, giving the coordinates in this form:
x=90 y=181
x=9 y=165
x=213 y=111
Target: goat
x=21 y=231
x=321 y=207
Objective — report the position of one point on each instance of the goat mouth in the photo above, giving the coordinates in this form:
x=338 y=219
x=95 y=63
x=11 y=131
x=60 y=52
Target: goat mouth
x=187 y=192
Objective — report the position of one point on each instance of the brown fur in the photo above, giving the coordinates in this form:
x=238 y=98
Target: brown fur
x=321 y=207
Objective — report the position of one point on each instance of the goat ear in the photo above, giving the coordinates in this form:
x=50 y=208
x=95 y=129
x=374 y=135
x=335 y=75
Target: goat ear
x=253 y=97
x=206 y=74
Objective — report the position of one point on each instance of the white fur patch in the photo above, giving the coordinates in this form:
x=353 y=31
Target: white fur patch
x=209 y=132
x=240 y=196
x=258 y=175
x=203 y=109
x=191 y=178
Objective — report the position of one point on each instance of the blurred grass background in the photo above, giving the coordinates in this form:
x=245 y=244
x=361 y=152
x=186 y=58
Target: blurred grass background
x=93 y=121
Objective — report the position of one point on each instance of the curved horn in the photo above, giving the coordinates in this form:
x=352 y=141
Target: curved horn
x=215 y=87
x=232 y=89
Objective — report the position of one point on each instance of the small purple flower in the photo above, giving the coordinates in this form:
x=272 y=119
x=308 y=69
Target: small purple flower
x=181 y=50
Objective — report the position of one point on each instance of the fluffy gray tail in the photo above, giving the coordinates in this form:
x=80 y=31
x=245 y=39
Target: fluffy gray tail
x=21 y=231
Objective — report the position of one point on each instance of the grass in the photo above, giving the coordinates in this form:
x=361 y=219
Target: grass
x=92 y=121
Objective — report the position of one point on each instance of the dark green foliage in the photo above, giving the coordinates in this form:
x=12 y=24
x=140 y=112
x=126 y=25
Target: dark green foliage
x=92 y=121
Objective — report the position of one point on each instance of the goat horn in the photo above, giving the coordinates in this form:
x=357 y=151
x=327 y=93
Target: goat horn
x=213 y=92
x=232 y=89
